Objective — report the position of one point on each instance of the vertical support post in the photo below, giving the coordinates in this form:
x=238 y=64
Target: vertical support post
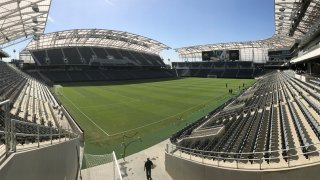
x=7 y=127
x=11 y=136
x=261 y=161
x=51 y=134
x=59 y=134
x=38 y=128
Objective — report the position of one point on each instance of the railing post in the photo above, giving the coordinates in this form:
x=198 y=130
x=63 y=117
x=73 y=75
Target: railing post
x=38 y=128
x=261 y=161
x=7 y=128
x=59 y=134
x=12 y=145
x=51 y=134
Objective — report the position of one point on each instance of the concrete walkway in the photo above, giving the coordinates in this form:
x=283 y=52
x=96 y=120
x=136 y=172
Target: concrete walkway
x=132 y=168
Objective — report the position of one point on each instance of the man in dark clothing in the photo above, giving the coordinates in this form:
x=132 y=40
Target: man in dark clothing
x=147 y=166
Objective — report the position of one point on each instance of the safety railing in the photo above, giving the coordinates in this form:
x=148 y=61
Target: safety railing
x=51 y=133
x=15 y=131
x=242 y=161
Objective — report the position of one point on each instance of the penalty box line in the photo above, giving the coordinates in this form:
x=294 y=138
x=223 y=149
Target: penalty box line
x=86 y=116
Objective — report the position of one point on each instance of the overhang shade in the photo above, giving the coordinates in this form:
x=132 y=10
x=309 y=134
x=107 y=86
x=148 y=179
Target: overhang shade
x=97 y=38
x=293 y=19
x=310 y=55
x=22 y=18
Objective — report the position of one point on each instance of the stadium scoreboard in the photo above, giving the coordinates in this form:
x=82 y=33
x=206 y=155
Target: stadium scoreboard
x=221 y=55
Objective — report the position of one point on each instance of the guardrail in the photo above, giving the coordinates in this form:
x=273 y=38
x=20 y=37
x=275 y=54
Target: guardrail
x=219 y=159
x=55 y=133
x=37 y=132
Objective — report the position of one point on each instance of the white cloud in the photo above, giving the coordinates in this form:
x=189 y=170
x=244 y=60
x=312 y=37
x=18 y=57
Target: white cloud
x=109 y=2
x=51 y=19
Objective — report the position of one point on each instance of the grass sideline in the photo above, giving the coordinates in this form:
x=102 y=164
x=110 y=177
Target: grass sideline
x=152 y=110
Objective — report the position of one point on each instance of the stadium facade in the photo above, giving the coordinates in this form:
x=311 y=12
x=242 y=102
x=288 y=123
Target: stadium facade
x=270 y=130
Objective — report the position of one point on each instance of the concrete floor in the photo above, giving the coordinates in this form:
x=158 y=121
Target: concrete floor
x=133 y=167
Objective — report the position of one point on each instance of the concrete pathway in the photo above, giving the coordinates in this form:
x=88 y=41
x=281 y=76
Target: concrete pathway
x=133 y=167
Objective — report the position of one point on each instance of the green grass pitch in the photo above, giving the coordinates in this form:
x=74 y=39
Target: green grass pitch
x=146 y=111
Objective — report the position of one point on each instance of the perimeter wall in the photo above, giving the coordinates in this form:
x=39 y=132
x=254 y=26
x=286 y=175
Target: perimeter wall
x=56 y=162
x=182 y=169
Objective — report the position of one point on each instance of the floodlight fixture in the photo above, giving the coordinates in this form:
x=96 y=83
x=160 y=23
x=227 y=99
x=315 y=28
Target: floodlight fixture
x=35 y=29
x=282 y=9
x=35 y=20
x=35 y=8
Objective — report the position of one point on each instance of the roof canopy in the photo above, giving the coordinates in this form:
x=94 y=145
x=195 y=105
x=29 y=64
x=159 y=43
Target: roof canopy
x=22 y=18
x=98 y=38
x=3 y=54
x=293 y=19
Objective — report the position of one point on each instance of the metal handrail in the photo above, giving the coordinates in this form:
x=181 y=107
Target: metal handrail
x=232 y=153
x=194 y=152
x=4 y=102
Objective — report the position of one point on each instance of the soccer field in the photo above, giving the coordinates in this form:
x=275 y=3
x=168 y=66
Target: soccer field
x=141 y=112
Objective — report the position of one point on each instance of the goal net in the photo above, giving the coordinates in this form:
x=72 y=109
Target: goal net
x=212 y=76
x=58 y=90
x=100 y=167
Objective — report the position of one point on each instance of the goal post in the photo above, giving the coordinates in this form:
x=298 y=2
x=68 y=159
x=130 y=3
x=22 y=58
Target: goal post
x=58 y=90
x=100 y=167
x=212 y=76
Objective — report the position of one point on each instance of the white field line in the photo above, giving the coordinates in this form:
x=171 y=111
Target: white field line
x=133 y=99
x=161 y=120
x=107 y=105
x=86 y=116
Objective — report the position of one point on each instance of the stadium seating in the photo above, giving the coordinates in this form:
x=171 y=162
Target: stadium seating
x=229 y=69
x=94 y=56
x=72 y=55
x=277 y=105
x=106 y=74
x=32 y=106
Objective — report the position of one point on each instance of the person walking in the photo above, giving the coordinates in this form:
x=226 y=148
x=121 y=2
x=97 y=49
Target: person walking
x=147 y=166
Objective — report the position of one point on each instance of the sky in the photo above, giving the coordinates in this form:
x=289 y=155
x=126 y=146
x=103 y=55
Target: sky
x=176 y=23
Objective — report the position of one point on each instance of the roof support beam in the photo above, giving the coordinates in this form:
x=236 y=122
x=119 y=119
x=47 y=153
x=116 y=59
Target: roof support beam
x=299 y=15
